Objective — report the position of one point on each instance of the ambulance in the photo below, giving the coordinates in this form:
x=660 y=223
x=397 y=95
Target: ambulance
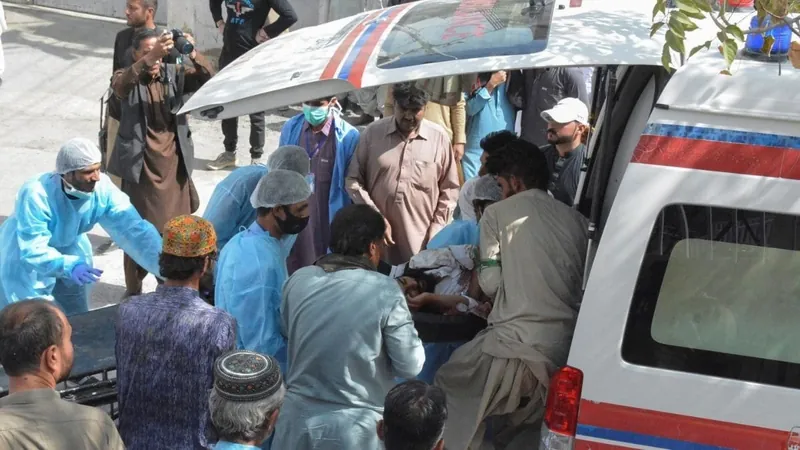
x=688 y=335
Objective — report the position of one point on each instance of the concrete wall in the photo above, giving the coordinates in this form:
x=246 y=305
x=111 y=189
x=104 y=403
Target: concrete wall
x=107 y=8
x=194 y=15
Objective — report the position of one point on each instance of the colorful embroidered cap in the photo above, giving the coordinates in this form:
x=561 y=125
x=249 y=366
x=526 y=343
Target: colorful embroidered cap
x=245 y=376
x=189 y=237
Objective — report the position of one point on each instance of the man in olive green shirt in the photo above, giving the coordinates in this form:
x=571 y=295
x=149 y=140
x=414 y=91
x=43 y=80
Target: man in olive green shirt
x=36 y=354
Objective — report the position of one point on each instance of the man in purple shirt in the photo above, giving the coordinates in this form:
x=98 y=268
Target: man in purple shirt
x=330 y=143
x=167 y=342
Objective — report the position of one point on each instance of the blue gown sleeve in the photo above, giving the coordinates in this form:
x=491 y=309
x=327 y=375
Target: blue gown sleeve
x=477 y=101
x=33 y=235
x=223 y=212
x=134 y=235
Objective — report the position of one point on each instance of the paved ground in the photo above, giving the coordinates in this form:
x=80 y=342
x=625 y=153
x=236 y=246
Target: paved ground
x=57 y=67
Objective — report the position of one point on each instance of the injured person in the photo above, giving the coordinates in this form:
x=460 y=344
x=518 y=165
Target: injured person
x=443 y=280
x=440 y=285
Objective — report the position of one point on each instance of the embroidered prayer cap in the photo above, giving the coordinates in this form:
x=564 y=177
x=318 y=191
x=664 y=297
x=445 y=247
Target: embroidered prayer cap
x=189 y=237
x=245 y=376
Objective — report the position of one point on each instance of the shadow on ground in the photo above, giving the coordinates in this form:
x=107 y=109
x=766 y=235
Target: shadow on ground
x=49 y=32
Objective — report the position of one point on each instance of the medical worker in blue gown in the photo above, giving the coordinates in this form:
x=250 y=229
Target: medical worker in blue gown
x=229 y=208
x=460 y=232
x=44 y=249
x=252 y=267
x=483 y=193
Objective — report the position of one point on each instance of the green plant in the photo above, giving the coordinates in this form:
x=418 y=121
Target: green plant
x=683 y=17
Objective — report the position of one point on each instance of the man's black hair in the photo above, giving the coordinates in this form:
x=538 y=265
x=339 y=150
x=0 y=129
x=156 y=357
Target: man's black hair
x=409 y=96
x=496 y=140
x=354 y=228
x=27 y=329
x=523 y=160
x=414 y=414
x=263 y=212
x=141 y=35
x=426 y=281
x=180 y=268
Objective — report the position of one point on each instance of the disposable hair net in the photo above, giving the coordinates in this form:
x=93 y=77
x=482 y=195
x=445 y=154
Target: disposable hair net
x=280 y=187
x=487 y=188
x=77 y=154
x=290 y=157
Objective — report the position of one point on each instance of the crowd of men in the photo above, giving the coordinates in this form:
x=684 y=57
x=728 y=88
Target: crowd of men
x=273 y=301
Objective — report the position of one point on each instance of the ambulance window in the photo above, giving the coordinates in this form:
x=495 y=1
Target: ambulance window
x=432 y=32
x=718 y=294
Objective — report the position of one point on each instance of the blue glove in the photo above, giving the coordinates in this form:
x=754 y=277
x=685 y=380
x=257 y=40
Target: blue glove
x=84 y=274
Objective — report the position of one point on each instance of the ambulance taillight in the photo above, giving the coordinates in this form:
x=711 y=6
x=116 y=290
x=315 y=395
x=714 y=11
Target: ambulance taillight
x=561 y=410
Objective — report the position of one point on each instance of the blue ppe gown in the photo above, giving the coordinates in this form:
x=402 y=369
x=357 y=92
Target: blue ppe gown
x=485 y=113
x=229 y=208
x=249 y=279
x=45 y=238
x=458 y=232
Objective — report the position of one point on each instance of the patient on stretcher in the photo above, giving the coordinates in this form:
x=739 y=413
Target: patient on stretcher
x=444 y=280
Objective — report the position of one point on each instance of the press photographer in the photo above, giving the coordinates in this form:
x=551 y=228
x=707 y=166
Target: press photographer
x=153 y=153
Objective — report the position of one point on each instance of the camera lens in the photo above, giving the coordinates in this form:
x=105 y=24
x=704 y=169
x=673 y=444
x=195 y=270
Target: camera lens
x=181 y=43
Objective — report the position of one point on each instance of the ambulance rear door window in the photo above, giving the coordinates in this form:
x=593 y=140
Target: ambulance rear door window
x=718 y=294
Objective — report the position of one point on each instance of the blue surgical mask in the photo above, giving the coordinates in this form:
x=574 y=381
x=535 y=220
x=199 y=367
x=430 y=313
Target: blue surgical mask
x=77 y=193
x=315 y=115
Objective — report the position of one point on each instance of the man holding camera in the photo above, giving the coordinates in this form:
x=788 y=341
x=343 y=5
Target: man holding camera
x=154 y=151
x=245 y=28
x=139 y=14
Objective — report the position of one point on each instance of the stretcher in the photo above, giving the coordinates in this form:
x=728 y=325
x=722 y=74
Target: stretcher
x=92 y=381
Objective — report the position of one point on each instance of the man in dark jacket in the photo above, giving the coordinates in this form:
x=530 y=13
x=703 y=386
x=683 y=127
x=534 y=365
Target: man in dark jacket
x=154 y=150
x=245 y=28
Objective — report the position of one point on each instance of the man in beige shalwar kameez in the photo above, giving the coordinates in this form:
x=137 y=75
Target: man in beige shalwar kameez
x=532 y=252
x=404 y=167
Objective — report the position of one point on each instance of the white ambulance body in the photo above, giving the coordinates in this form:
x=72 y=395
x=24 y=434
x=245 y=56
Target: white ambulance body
x=687 y=336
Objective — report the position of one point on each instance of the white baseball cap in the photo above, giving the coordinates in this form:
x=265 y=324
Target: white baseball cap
x=568 y=110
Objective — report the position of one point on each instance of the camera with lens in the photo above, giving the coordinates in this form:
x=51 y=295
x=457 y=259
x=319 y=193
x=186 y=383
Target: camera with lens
x=181 y=43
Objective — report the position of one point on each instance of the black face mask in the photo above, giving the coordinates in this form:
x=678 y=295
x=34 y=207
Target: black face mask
x=292 y=224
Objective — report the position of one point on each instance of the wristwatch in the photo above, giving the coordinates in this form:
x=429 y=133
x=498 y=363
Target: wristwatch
x=462 y=307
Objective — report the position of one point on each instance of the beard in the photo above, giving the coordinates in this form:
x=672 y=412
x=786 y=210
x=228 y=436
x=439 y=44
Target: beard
x=556 y=140
x=65 y=373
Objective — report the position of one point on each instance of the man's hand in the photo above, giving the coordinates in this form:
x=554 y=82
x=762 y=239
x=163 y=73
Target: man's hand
x=458 y=151
x=261 y=36
x=160 y=50
x=387 y=235
x=419 y=301
x=221 y=26
x=497 y=79
x=190 y=38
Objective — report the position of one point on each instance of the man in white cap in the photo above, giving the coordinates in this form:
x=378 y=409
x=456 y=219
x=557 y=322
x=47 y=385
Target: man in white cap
x=252 y=267
x=44 y=250
x=567 y=128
